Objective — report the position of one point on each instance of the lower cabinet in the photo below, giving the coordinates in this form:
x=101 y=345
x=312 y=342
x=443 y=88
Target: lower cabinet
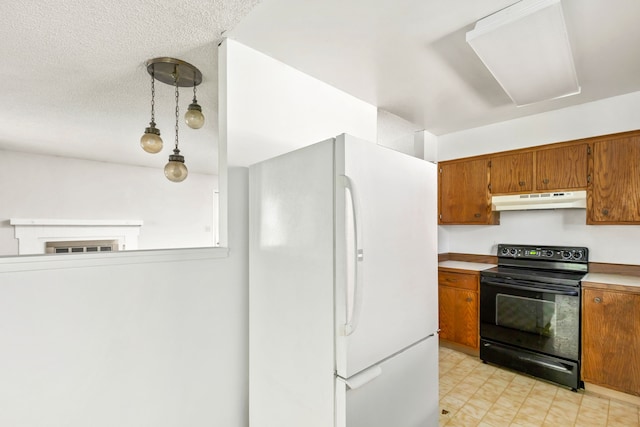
x=458 y=306
x=611 y=338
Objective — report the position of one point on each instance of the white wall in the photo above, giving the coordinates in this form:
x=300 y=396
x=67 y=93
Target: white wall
x=273 y=108
x=51 y=187
x=160 y=344
x=611 y=115
x=614 y=244
x=427 y=144
x=396 y=133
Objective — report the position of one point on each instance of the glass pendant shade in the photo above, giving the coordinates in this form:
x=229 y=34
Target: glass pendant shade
x=194 y=117
x=175 y=170
x=150 y=140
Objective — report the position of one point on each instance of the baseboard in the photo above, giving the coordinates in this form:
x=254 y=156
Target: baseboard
x=461 y=348
x=611 y=394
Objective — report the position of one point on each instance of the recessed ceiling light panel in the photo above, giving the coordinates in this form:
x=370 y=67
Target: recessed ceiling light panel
x=526 y=48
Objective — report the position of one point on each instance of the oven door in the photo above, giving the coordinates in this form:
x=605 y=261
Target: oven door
x=530 y=315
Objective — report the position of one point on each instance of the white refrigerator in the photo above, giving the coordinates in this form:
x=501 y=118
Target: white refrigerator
x=343 y=294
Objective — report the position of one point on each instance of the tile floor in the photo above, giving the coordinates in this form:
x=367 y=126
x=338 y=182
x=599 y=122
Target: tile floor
x=473 y=394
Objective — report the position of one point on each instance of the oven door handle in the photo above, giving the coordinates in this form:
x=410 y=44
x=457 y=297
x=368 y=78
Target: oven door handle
x=573 y=293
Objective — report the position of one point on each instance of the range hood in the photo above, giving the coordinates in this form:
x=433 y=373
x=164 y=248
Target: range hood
x=557 y=200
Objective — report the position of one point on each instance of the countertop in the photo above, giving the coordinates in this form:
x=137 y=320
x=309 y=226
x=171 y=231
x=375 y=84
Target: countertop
x=463 y=265
x=613 y=279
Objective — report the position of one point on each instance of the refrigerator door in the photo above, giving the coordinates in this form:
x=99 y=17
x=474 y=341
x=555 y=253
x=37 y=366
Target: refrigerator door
x=401 y=392
x=386 y=253
x=291 y=294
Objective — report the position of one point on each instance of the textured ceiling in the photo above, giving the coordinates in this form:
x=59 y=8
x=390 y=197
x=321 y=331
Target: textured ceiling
x=74 y=82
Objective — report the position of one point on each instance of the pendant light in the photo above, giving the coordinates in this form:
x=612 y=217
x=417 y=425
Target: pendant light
x=176 y=170
x=150 y=140
x=193 y=117
x=176 y=73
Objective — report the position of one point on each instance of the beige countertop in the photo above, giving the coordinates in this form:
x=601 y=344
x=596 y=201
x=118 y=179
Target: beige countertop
x=620 y=280
x=612 y=279
x=463 y=265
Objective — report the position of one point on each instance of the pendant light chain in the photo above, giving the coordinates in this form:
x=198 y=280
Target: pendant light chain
x=153 y=95
x=194 y=88
x=175 y=77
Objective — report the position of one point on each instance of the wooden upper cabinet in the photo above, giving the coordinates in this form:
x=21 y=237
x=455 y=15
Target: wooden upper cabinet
x=464 y=196
x=605 y=166
x=615 y=187
x=540 y=170
x=512 y=173
x=562 y=168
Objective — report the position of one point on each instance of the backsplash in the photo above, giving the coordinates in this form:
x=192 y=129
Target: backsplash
x=563 y=227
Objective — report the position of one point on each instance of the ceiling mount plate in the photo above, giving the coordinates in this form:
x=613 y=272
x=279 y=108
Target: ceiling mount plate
x=164 y=68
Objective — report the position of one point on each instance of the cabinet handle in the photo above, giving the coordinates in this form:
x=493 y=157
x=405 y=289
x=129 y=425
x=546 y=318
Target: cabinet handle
x=521 y=183
x=597 y=300
x=605 y=211
x=477 y=215
x=451 y=280
x=469 y=299
x=545 y=181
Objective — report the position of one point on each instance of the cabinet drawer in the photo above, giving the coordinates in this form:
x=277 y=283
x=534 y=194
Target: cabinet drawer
x=458 y=280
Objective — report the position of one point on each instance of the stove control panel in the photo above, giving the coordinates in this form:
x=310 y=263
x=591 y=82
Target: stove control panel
x=551 y=253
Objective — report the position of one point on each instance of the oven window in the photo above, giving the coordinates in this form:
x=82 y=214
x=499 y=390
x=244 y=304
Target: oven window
x=526 y=314
x=537 y=320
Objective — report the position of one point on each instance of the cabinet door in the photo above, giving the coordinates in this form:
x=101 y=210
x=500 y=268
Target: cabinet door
x=458 y=280
x=512 y=173
x=562 y=168
x=446 y=312
x=466 y=318
x=464 y=193
x=615 y=195
x=458 y=307
x=611 y=339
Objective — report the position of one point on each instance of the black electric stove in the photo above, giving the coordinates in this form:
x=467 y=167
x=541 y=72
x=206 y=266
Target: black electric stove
x=530 y=311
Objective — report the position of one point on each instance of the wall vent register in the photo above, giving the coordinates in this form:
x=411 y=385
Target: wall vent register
x=87 y=246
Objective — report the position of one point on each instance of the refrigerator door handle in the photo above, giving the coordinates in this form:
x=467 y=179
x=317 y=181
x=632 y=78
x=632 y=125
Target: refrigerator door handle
x=358 y=256
x=362 y=378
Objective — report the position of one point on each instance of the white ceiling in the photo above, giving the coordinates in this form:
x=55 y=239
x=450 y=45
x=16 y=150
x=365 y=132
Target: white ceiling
x=410 y=57
x=74 y=81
